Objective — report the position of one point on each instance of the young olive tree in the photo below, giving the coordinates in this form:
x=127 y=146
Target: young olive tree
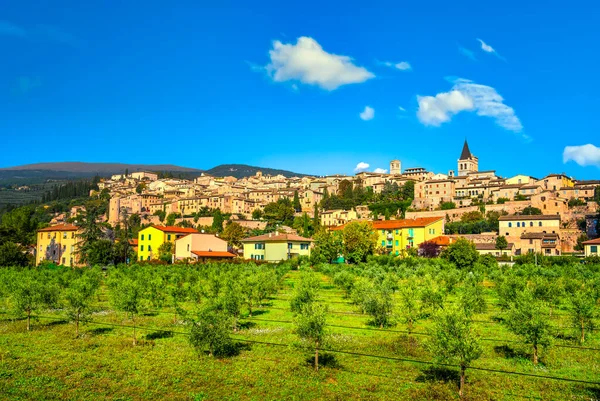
x=211 y=330
x=306 y=292
x=78 y=299
x=409 y=304
x=379 y=303
x=30 y=291
x=472 y=299
x=126 y=295
x=582 y=310
x=528 y=318
x=310 y=326
x=453 y=340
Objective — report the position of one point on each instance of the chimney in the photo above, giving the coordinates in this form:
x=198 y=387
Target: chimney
x=270 y=235
x=276 y=233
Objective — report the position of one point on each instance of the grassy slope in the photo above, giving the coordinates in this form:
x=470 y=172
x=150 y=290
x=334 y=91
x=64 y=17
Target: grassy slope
x=49 y=363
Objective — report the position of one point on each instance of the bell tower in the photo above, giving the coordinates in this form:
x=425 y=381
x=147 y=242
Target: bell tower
x=467 y=163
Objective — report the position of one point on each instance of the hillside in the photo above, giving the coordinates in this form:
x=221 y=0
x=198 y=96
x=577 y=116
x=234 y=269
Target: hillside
x=243 y=170
x=39 y=173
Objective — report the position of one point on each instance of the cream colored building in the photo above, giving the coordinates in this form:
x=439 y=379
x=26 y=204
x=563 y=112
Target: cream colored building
x=275 y=247
x=331 y=218
x=592 y=247
x=197 y=246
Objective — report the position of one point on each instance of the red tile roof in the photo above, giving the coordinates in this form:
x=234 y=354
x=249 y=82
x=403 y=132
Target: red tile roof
x=273 y=238
x=213 y=254
x=177 y=230
x=442 y=240
x=592 y=242
x=395 y=224
x=60 y=227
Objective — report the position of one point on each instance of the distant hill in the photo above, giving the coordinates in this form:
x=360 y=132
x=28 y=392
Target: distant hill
x=42 y=172
x=243 y=170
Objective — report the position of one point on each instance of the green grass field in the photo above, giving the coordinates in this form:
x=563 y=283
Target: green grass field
x=51 y=363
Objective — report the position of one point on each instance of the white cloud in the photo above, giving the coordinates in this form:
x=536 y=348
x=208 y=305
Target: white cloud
x=307 y=62
x=466 y=95
x=438 y=109
x=367 y=114
x=485 y=47
x=401 y=108
x=402 y=66
x=380 y=170
x=362 y=166
x=584 y=155
x=10 y=29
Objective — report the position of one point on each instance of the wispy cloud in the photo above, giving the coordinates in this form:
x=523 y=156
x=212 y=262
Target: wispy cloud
x=39 y=33
x=367 y=114
x=402 y=65
x=25 y=85
x=584 y=155
x=401 y=108
x=467 y=95
x=467 y=53
x=308 y=63
x=362 y=166
x=10 y=29
x=489 y=49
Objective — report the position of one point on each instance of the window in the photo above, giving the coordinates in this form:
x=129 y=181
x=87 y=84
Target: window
x=64 y=260
x=290 y=245
x=531 y=241
x=531 y=224
x=396 y=232
x=518 y=224
x=148 y=257
x=169 y=237
x=594 y=249
x=396 y=242
x=540 y=224
x=510 y=224
x=142 y=248
x=48 y=235
x=304 y=246
x=382 y=242
x=149 y=248
x=188 y=247
x=142 y=237
x=523 y=224
x=262 y=257
x=259 y=246
x=64 y=235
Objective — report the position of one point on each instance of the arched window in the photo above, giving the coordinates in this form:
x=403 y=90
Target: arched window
x=540 y=223
x=510 y=224
x=518 y=224
x=531 y=224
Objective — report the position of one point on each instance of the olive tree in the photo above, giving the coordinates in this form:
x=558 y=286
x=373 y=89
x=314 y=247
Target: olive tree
x=409 y=304
x=453 y=340
x=78 y=299
x=582 y=310
x=310 y=326
x=528 y=318
x=127 y=295
x=379 y=303
x=30 y=291
x=306 y=292
x=211 y=330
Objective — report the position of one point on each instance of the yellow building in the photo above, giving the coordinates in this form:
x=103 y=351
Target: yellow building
x=151 y=238
x=57 y=244
x=275 y=247
x=520 y=179
x=396 y=236
x=592 y=247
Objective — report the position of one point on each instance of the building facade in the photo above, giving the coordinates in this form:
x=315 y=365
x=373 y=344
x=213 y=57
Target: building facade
x=151 y=238
x=275 y=247
x=58 y=244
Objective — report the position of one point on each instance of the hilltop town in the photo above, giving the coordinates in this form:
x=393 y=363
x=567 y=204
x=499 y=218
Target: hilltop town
x=552 y=215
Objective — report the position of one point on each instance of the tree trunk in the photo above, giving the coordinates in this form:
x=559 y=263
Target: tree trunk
x=134 y=339
x=77 y=325
x=28 y=319
x=317 y=357
x=250 y=310
x=535 y=354
x=582 y=340
x=462 y=381
x=175 y=318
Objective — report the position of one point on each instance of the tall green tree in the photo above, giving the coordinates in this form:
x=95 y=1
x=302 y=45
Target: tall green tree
x=12 y=254
x=453 y=340
x=328 y=246
x=462 y=253
x=78 y=299
x=296 y=202
x=583 y=311
x=233 y=234
x=217 y=224
x=127 y=295
x=359 y=241
x=501 y=243
x=90 y=230
x=31 y=291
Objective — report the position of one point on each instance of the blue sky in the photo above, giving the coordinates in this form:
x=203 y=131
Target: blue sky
x=285 y=85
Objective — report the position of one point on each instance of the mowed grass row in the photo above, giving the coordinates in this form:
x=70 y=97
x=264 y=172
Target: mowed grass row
x=50 y=363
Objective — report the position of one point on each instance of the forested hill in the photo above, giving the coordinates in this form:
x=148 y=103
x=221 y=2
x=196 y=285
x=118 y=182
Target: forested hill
x=243 y=170
x=42 y=172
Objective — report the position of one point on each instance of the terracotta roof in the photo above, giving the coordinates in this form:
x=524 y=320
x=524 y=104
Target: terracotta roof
x=490 y=246
x=539 y=236
x=442 y=240
x=133 y=242
x=519 y=217
x=271 y=237
x=60 y=227
x=177 y=230
x=395 y=224
x=213 y=254
x=592 y=242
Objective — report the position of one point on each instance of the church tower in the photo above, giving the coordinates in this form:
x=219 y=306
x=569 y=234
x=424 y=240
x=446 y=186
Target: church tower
x=467 y=162
x=395 y=167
